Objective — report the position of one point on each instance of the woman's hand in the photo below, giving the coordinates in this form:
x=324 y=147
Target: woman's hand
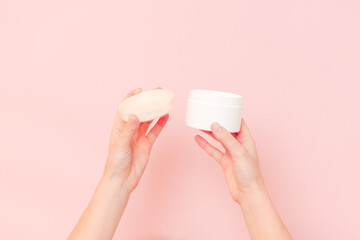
x=239 y=161
x=130 y=148
x=244 y=179
x=129 y=152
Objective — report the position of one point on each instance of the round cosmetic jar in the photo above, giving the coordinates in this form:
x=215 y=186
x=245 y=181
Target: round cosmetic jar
x=207 y=106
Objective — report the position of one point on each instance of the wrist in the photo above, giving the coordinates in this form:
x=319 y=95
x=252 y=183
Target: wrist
x=116 y=183
x=256 y=190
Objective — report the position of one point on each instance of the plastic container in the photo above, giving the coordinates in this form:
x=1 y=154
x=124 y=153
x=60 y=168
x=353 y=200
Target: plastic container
x=207 y=106
x=147 y=105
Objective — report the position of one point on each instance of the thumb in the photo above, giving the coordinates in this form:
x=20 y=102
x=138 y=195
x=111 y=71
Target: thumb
x=129 y=130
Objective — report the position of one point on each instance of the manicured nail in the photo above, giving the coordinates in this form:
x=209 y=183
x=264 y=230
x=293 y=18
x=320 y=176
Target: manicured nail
x=216 y=127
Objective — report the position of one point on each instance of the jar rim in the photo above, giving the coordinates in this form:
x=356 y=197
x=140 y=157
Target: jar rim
x=215 y=96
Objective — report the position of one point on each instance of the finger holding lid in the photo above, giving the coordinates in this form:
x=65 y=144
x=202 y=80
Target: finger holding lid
x=144 y=126
x=128 y=131
x=133 y=92
x=119 y=122
x=156 y=130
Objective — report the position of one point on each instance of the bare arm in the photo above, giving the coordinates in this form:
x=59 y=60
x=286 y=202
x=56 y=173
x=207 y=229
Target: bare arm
x=129 y=153
x=244 y=178
x=102 y=215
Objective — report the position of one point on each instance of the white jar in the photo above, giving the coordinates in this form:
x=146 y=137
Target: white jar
x=207 y=106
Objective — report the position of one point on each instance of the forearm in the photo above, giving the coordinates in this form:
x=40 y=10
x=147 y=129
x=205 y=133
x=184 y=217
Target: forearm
x=101 y=217
x=262 y=219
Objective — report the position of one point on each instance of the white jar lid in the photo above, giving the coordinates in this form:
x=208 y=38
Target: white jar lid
x=215 y=97
x=147 y=105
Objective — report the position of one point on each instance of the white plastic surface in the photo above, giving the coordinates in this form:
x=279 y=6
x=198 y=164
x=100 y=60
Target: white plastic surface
x=207 y=106
x=147 y=105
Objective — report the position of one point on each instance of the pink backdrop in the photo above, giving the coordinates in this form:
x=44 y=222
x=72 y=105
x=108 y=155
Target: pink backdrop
x=65 y=65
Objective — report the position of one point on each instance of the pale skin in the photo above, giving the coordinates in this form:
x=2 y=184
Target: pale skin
x=129 y=152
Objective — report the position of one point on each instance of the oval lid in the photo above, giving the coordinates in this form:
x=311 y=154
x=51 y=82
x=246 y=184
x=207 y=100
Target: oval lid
x=147 y=105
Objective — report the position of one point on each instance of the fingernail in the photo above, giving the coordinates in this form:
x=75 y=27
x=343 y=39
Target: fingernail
x=216 y=127
x=162 y=121
x=132 y=119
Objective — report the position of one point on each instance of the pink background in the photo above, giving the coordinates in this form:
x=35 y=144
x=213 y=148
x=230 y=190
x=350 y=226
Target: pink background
x=65 y=66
